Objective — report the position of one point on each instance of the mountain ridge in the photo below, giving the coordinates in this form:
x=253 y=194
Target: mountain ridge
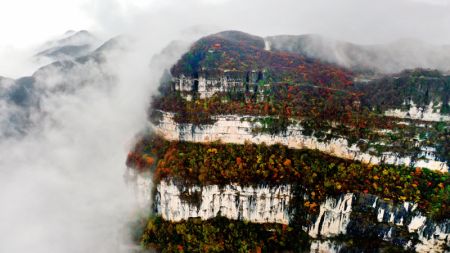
x=279 y=146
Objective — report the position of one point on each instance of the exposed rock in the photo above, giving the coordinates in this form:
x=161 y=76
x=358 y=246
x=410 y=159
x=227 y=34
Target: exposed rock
x=333 y=218
x=415 y=112
x=238 y=129
x=359 y=216
x=261 y=204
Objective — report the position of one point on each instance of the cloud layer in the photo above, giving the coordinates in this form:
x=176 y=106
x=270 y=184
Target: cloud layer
x=61 y=186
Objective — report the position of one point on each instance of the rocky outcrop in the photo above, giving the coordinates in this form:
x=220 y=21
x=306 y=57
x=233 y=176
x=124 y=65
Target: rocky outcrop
x=400 y=224
x=260 y=204
x=358 y=216
x=333 y=218
x=229 y=81
x=239 y=129
x=429 y=113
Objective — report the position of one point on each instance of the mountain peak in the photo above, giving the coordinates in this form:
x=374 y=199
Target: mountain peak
x=73 y=44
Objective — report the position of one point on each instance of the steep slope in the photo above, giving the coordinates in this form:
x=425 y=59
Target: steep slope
x=293 y=154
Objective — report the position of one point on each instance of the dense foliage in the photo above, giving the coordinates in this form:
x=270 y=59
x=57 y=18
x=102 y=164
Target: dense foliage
x=359 y=106
x=354 y=112
x=324 y=113
x=321 y=175
x=282 y=99
x=243 y=52
x=420 y=86
x=221 y=235
x=236 y=51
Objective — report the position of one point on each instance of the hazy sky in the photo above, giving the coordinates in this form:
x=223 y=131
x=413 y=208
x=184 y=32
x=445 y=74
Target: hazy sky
x=24 y=22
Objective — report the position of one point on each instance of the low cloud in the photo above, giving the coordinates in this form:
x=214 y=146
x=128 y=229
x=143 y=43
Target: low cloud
x=62 y=186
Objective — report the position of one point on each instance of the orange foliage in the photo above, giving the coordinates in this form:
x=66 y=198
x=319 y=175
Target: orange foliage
x=287 y=162
x=150 y=161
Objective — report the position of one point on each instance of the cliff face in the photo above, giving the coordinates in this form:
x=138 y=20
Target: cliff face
x=261 y=204
x=278 y=147
x=349 y=215
x=365 y=122
x=241 y=128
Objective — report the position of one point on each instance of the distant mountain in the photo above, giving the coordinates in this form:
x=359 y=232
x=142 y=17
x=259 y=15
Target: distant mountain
x=385 y=58
x=115 y=43
x=21 y=99
x=71 y=45
x=65 y=52
x=5 y=83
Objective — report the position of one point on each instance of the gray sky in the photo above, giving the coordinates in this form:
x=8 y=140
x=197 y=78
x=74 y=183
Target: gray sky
x=24 y=22
x=354 y=20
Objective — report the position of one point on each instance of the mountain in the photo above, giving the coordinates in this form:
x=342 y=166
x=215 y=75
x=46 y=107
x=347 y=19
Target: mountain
x=70 y=46
x=263 y=144
x=21 y=99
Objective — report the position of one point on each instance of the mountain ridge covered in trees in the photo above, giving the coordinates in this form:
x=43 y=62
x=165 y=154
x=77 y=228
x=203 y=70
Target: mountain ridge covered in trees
x=280 y=87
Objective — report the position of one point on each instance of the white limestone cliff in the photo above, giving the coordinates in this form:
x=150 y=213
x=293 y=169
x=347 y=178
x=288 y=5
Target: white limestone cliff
x=238 y=129
x=333 y=218
x=428 y=113
x=270 y=204
x=261 y=204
